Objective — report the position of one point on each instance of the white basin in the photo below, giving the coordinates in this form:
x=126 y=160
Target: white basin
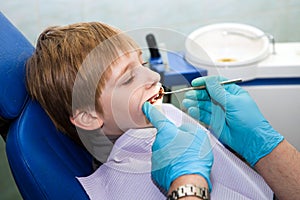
x=228 y=49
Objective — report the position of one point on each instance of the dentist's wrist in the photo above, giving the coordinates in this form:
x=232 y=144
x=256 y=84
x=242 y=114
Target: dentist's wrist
x=190 y=179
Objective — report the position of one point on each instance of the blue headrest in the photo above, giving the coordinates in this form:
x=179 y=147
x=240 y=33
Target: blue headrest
x=14 y=51
x=44 y=161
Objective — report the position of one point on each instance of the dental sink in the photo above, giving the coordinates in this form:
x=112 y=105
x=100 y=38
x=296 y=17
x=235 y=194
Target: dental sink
x=229 y=49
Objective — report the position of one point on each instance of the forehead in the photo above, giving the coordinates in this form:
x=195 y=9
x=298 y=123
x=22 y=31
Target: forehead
x=128 y=56
x=111 y=62
x=125 y=62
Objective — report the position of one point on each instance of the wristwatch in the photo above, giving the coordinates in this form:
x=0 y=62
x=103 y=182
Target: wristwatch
x=189 y=190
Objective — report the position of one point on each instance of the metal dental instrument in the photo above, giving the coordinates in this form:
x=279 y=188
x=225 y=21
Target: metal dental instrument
x=203 y=86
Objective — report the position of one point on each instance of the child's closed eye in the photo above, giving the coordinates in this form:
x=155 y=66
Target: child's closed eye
x=145 y=64
x=128 y=80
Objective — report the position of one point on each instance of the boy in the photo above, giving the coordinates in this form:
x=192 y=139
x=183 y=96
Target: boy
x=64 y=72
x=90 y=79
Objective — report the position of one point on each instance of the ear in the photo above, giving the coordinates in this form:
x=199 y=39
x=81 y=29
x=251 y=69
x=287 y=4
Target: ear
x=87 y=120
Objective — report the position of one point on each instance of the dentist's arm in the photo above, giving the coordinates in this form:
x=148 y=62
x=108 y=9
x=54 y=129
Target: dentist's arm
x=180 y=155
x=281 y=170
x=236 y=120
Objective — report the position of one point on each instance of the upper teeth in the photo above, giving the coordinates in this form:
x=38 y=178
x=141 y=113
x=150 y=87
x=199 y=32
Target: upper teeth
x=157 y=96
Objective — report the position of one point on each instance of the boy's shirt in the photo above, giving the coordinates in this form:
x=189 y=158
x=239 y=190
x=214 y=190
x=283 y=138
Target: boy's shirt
x=127 y=172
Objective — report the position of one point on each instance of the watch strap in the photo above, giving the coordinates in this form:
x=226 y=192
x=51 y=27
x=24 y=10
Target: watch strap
x=189 y=190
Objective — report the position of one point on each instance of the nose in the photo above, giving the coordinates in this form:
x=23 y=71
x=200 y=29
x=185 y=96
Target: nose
x=150 y=77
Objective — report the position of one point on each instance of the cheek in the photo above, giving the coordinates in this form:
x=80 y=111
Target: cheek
x=127 y=107
x=121 y=107
x=124 y=108
x=134 y=104
x=135 y=109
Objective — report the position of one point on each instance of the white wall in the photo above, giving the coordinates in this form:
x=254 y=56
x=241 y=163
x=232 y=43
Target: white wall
x=279 y=17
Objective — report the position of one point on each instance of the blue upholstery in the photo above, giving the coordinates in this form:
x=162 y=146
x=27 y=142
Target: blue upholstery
x=43 y=161
x=14 y=50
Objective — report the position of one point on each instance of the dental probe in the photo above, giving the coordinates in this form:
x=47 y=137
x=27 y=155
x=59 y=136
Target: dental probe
x=201 y=87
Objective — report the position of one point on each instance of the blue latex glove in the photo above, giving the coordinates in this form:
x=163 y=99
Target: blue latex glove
x=177 y=151
x=233 y=117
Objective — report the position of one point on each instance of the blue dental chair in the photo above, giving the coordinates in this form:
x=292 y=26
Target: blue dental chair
x=43 y=161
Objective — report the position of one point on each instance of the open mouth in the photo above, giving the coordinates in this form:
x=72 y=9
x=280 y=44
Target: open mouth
x=157 y=96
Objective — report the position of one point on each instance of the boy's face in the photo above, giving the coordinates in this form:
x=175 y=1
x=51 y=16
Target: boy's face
x=130 y=85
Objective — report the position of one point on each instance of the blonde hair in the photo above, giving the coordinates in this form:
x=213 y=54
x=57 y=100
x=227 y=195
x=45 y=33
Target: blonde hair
x=54 y=66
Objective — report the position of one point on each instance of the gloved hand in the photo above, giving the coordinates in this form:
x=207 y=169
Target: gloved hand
x=177 y=151
x=233 y=117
